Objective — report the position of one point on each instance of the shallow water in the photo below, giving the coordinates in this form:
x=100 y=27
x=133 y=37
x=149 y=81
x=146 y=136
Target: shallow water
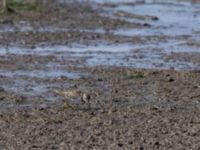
x=177 y=19
x=46 y=74
x=151 y=55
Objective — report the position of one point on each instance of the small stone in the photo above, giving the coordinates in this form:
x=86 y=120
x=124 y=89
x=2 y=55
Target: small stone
x=155 y=18
x=141 y=148
x=146 y=25
x=100 y=79
x=120 y=144
x=196 y=86
x=130 y=142
x=62 y=78
x=157 y=145
x=171 y=80
x=33 y=47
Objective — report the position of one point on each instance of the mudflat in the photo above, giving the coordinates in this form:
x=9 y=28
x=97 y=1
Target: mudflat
x=81 y=75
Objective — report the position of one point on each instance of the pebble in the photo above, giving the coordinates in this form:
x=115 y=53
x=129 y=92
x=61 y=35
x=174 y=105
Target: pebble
x=171 y=80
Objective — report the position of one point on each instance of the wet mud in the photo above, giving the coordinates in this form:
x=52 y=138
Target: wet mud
x=101 y=75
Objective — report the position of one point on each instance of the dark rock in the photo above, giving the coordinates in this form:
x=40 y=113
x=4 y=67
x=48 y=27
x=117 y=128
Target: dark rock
x=120 y=144
x=171 y=80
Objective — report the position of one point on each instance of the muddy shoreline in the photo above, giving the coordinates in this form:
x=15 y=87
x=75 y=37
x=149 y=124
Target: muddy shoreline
x=127 y=109
x=72 y=77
